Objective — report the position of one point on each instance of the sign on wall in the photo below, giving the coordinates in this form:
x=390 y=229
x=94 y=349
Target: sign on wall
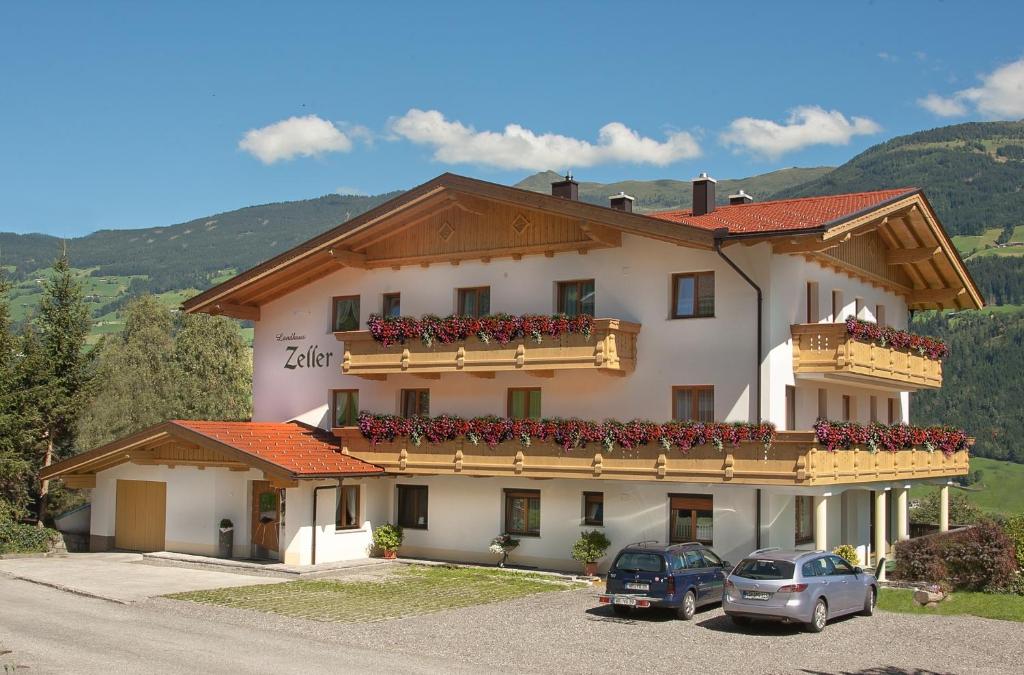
x=303 y=356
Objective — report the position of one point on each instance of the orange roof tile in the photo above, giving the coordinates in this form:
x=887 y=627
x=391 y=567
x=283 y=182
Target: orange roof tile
x=785 y=214
x=300 y=449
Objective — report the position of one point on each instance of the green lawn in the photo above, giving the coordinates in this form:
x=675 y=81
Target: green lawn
x=1000 y=490
x=411 y=591
x=986 y=605
x=968 y=244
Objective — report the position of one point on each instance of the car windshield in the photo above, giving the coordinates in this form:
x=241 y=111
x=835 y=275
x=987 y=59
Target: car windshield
x=753 y=568
x=634 y=561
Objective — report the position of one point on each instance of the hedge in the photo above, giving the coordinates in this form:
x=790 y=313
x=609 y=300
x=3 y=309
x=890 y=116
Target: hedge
x=20 y=538
x=977 y=558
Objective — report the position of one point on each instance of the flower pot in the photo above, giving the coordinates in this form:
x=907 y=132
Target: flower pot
x=590 y=569
x=390 y=555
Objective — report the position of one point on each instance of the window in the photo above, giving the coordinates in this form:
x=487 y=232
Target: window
x=634 y=561
x=522 y=512
x=880 y=315
x=858 y=307
x=837 y=307
x=790 y=407
x=691 y=518
x=847 y=408
x=894 y=407
x=415 y=402
x=344 y=407
x=345 y=314
x=695 y=404
x=874 y=409
x=576 y=297
x=348 y=509
x=693 y=295
x=841 y=566
x=804 y=519
x=813 y=310
x=711 y=559
x=412 y=506
x=392 y=304
x=822 y=404
x=593 y=508
x=474 y=301
x=694 y=561
x=524 y=403
x=775 y=570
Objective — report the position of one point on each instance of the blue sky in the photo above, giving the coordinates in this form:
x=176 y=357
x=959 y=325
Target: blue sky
x=132 y=115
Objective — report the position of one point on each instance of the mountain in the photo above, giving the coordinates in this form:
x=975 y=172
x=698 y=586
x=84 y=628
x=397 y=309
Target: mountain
x=661 y=195
x=973 y=174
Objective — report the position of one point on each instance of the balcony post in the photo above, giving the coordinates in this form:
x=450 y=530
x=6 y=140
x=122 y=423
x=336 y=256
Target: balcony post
x=879 y=543
x=902 y=527
x=944 y=508
x=821 y=522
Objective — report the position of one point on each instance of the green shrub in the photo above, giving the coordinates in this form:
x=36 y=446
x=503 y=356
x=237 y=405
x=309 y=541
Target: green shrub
x=1014 y=527
x=977 y=558
x=388 y=537
x=847 y=553
x=19 y=538
x=590 y=547
x=961 y=510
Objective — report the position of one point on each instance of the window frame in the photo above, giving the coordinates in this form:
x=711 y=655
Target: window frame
x=589 y=498
x=696 y=295
x=838 y=303
x=417 y=392
x=790 y=407
x=461 y=293
x=387 y=297
x=400 y=491
x=334 y=312
x=803 y=536
x=822 y=403
x=359 y=509
x=530 y=392
x=813 y=303
x=334 y=406
x=893 y=408
x=560 y=309
x=527 y=495
x=694 y=503
x=695 y=390
x=849 y=409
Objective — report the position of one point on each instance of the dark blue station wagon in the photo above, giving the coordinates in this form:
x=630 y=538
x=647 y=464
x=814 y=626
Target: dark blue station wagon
x=681 y=577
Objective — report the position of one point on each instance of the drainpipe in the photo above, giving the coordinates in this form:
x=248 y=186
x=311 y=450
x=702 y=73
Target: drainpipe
x=719 y=235
x=315 y=491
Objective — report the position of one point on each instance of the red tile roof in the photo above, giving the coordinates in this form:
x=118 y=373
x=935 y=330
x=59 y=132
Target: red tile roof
x=299 y=449
x=785 y=214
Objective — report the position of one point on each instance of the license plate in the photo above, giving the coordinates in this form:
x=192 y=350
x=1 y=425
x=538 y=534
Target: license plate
x=756 y=595
x=638 y=587
x=625 y=601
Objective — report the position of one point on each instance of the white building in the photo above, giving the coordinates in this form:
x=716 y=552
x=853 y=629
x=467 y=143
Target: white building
x=732 y=313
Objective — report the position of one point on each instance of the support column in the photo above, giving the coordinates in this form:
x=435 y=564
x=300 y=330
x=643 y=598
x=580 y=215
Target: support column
x=902 y=526
x=944 y=508
x=821 y=523
x=879 y=543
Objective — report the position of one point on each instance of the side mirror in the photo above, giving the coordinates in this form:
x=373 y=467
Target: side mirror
x=858 y=570
x=726 y=565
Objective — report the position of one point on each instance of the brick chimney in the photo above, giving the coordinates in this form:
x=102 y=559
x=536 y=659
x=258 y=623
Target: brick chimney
x=703 y=194
x=621 y=202
x=740 y=197
x=566 y=189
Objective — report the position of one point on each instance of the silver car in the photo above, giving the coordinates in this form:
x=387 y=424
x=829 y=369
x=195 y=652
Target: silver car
x=808 y=587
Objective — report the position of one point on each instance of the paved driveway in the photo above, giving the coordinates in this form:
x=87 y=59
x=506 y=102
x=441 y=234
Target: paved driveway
x=120 y=577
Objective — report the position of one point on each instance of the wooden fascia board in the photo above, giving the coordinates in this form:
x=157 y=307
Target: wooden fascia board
x=951 y=254
x=120 y=446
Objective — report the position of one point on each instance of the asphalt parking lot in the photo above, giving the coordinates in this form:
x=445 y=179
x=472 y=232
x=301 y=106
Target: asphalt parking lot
x=563 y=632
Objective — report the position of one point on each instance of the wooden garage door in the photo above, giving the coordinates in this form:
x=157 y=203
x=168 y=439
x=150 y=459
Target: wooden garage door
x=141 y=515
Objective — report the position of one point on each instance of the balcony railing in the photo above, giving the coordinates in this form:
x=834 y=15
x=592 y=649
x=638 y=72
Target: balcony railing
x=794 y=458
x=828 y=350
x=610 y=348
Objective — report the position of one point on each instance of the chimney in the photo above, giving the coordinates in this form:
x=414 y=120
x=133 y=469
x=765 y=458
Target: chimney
x=703 y=194
x=566 y=189
x=740 y=197
x=621 y=202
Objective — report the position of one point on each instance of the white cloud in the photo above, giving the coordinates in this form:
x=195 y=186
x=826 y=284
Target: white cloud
x=1000 y=95
x=306 y=136
x=886 y=56
x=516 y=147
x=942 y=106
x=805 y=126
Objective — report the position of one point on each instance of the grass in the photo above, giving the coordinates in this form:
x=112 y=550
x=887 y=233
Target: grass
x=985 y=605
x=1000 y=490
x=413 y=590
x=968 y=244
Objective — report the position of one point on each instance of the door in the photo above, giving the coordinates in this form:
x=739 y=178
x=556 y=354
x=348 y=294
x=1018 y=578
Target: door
x=266 y=515
x=698 y=572
x=716 y=576
x=844 y=585
x=140 y=515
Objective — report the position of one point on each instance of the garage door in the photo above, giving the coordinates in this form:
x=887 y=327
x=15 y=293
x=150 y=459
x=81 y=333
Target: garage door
x=141 y=515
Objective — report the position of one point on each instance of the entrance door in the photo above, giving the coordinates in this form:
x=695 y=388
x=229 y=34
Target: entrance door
x=140 y=515
x=266 y=515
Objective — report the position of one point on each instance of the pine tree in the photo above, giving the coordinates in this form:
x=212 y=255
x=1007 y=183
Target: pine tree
x=15 y=470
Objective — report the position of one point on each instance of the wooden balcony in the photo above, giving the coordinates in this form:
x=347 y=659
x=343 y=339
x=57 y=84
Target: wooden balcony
x=611 y=349
x=827 y=351
x=794 y=459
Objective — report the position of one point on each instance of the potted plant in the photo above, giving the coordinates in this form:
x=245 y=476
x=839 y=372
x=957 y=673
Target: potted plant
x=226 y=539
x=388 y=538
x=502 y=545
x=848 y=553
x=589 y=548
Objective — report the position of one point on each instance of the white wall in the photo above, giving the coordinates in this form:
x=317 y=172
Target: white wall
x=331 y=544
x=197 y=500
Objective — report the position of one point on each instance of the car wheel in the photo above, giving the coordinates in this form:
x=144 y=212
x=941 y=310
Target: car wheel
x=741 y=620
x=621 y=610
x=869 y=602
x=818 y=618
x=688 y=607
